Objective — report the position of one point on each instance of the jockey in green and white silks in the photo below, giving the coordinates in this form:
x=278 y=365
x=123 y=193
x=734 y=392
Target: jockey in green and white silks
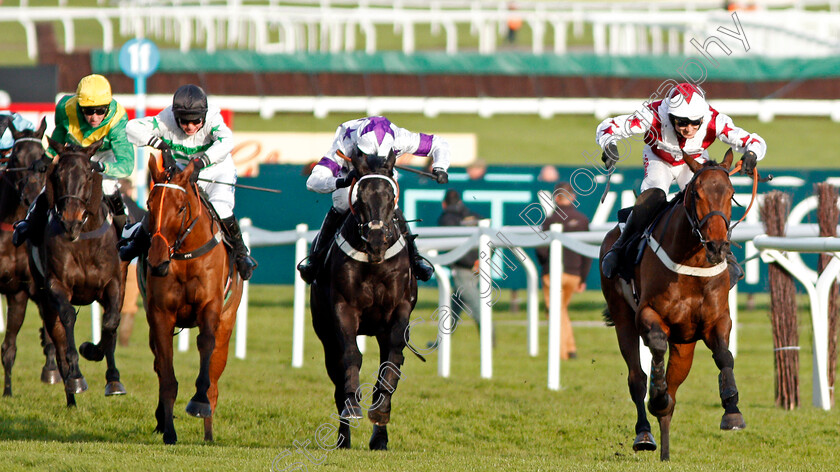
x=7 y=142
x=195 y=132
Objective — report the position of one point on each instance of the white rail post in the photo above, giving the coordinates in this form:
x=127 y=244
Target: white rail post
x=184 y=340
x=733 y=315
x=242 y=309
x=3 y=314
x=555 y=301
x=486 y=309
x=301 y=249
x=444 y=332
x=533 y=277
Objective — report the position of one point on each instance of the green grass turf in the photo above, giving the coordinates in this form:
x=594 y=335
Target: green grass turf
x=464 y=423
x=562 y=140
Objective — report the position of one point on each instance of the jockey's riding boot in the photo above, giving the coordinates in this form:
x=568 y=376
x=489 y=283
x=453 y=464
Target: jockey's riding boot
x=736 y=273
x=117 y=206
x=645 y=209
x=309 y=267
x=135 y=240
x=245 y=264
x=32 y=226
x=423 y=269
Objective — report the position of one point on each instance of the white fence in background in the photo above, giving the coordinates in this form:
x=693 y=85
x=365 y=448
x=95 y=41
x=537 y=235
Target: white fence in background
x=487 y=107
x=327 y=27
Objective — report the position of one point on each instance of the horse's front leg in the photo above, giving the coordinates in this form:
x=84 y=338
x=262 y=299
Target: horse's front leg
x=351 y=358
x=718 y=343
x=16 y=311
x=218 y=361
x=656 y=339
x=58 y=302
x=679 y=364
x=160 y=341
x=208 y=321
x=391 y=346
x=112 y=301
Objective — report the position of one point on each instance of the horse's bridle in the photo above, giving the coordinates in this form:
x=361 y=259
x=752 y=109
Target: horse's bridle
x=185 y=228
x=84 y=200
x=365 y=228
x=11 y=157
x=691 y=211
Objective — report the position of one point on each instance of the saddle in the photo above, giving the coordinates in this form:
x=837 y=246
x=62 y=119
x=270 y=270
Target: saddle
x=635 y=248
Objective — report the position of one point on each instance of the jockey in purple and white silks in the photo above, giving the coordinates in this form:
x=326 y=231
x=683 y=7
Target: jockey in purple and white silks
x=334 y=174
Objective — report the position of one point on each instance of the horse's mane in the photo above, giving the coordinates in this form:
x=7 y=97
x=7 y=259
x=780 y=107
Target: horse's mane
x=681 y=194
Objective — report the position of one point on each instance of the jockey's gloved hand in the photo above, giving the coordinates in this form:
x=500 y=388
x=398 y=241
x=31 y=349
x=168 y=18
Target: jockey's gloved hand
x=199 y=162
x=441 y=176
x=169 y=162
x=40 y=166
x=610 y=155
x=158 y=144
x=97 y=166
x=345 y=181
x=748 y=163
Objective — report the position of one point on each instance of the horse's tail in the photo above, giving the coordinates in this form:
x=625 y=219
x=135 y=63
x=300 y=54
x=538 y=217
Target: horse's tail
x=608 y=320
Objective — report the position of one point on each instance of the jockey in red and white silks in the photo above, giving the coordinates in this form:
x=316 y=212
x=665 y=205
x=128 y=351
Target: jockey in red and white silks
x=682 y=122
x=374 y=135
x=662 y=153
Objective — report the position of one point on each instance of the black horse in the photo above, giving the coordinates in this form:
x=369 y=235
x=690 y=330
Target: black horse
x=19 y=186
x=75 y=262
x=367 y=288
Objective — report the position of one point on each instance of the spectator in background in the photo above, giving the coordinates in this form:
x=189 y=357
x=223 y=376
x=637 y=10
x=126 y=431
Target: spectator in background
x=477 y=169
x=548 y=174
x=514 y=23
x=575 y=266
x=132 y=291
x=465 y=284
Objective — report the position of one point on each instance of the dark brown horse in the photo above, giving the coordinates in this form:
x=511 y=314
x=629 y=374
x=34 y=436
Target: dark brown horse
x=75 y=262
x=680 y=297
x=367 y=288
x=189 y=282
x=20 y=184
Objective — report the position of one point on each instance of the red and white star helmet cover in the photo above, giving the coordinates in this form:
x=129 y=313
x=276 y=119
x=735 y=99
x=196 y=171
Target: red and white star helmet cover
x=687 y=101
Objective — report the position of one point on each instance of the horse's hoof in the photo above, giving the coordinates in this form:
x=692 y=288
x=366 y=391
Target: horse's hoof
x=91 y=352
x=50 y=376
x=732 y=422
x=7 y=392
x=379 y=438
x=644 y=442
x=379 y=417
x=199 y=410
x=354 y=412
x=75 y=386
x=114 y=387
x=170 y=438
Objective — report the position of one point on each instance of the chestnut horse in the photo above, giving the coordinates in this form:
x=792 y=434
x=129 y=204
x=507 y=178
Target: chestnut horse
x=75 y=262
x=187 y=275
x=679 y=296
x=20 y=184
x=366 y=288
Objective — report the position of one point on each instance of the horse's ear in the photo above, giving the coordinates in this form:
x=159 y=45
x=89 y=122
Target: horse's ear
x=692 y=164
x=57 y=146
x=358 y=160
x=91 y=150
x=5 y=123
x=390 y=162
x=42 y=129
x=727 y=159
x=156 y=168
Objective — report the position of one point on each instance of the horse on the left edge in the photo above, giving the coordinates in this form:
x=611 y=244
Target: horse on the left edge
x=75 y=262
x=20 y=183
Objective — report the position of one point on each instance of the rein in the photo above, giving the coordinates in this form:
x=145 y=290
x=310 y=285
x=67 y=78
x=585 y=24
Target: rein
x=185 y=230
x=691 y=212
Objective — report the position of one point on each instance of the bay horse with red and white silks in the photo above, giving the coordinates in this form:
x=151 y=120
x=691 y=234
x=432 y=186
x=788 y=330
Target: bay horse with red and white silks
x=366 y=288
x=679 y=296
x=75 y=262
x=190 y=281
x=20 y=184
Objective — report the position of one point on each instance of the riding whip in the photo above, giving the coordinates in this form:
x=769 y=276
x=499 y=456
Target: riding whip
x=419 y=172
x=249 y=187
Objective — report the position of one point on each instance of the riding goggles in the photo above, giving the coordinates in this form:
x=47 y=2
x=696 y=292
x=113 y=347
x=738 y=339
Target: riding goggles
x=90 y=111
x=185 y=122
x=683 y=122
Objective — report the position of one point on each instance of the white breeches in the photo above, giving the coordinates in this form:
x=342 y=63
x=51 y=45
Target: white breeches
x=221 y=196
x=660 y=174
x=341 y=199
